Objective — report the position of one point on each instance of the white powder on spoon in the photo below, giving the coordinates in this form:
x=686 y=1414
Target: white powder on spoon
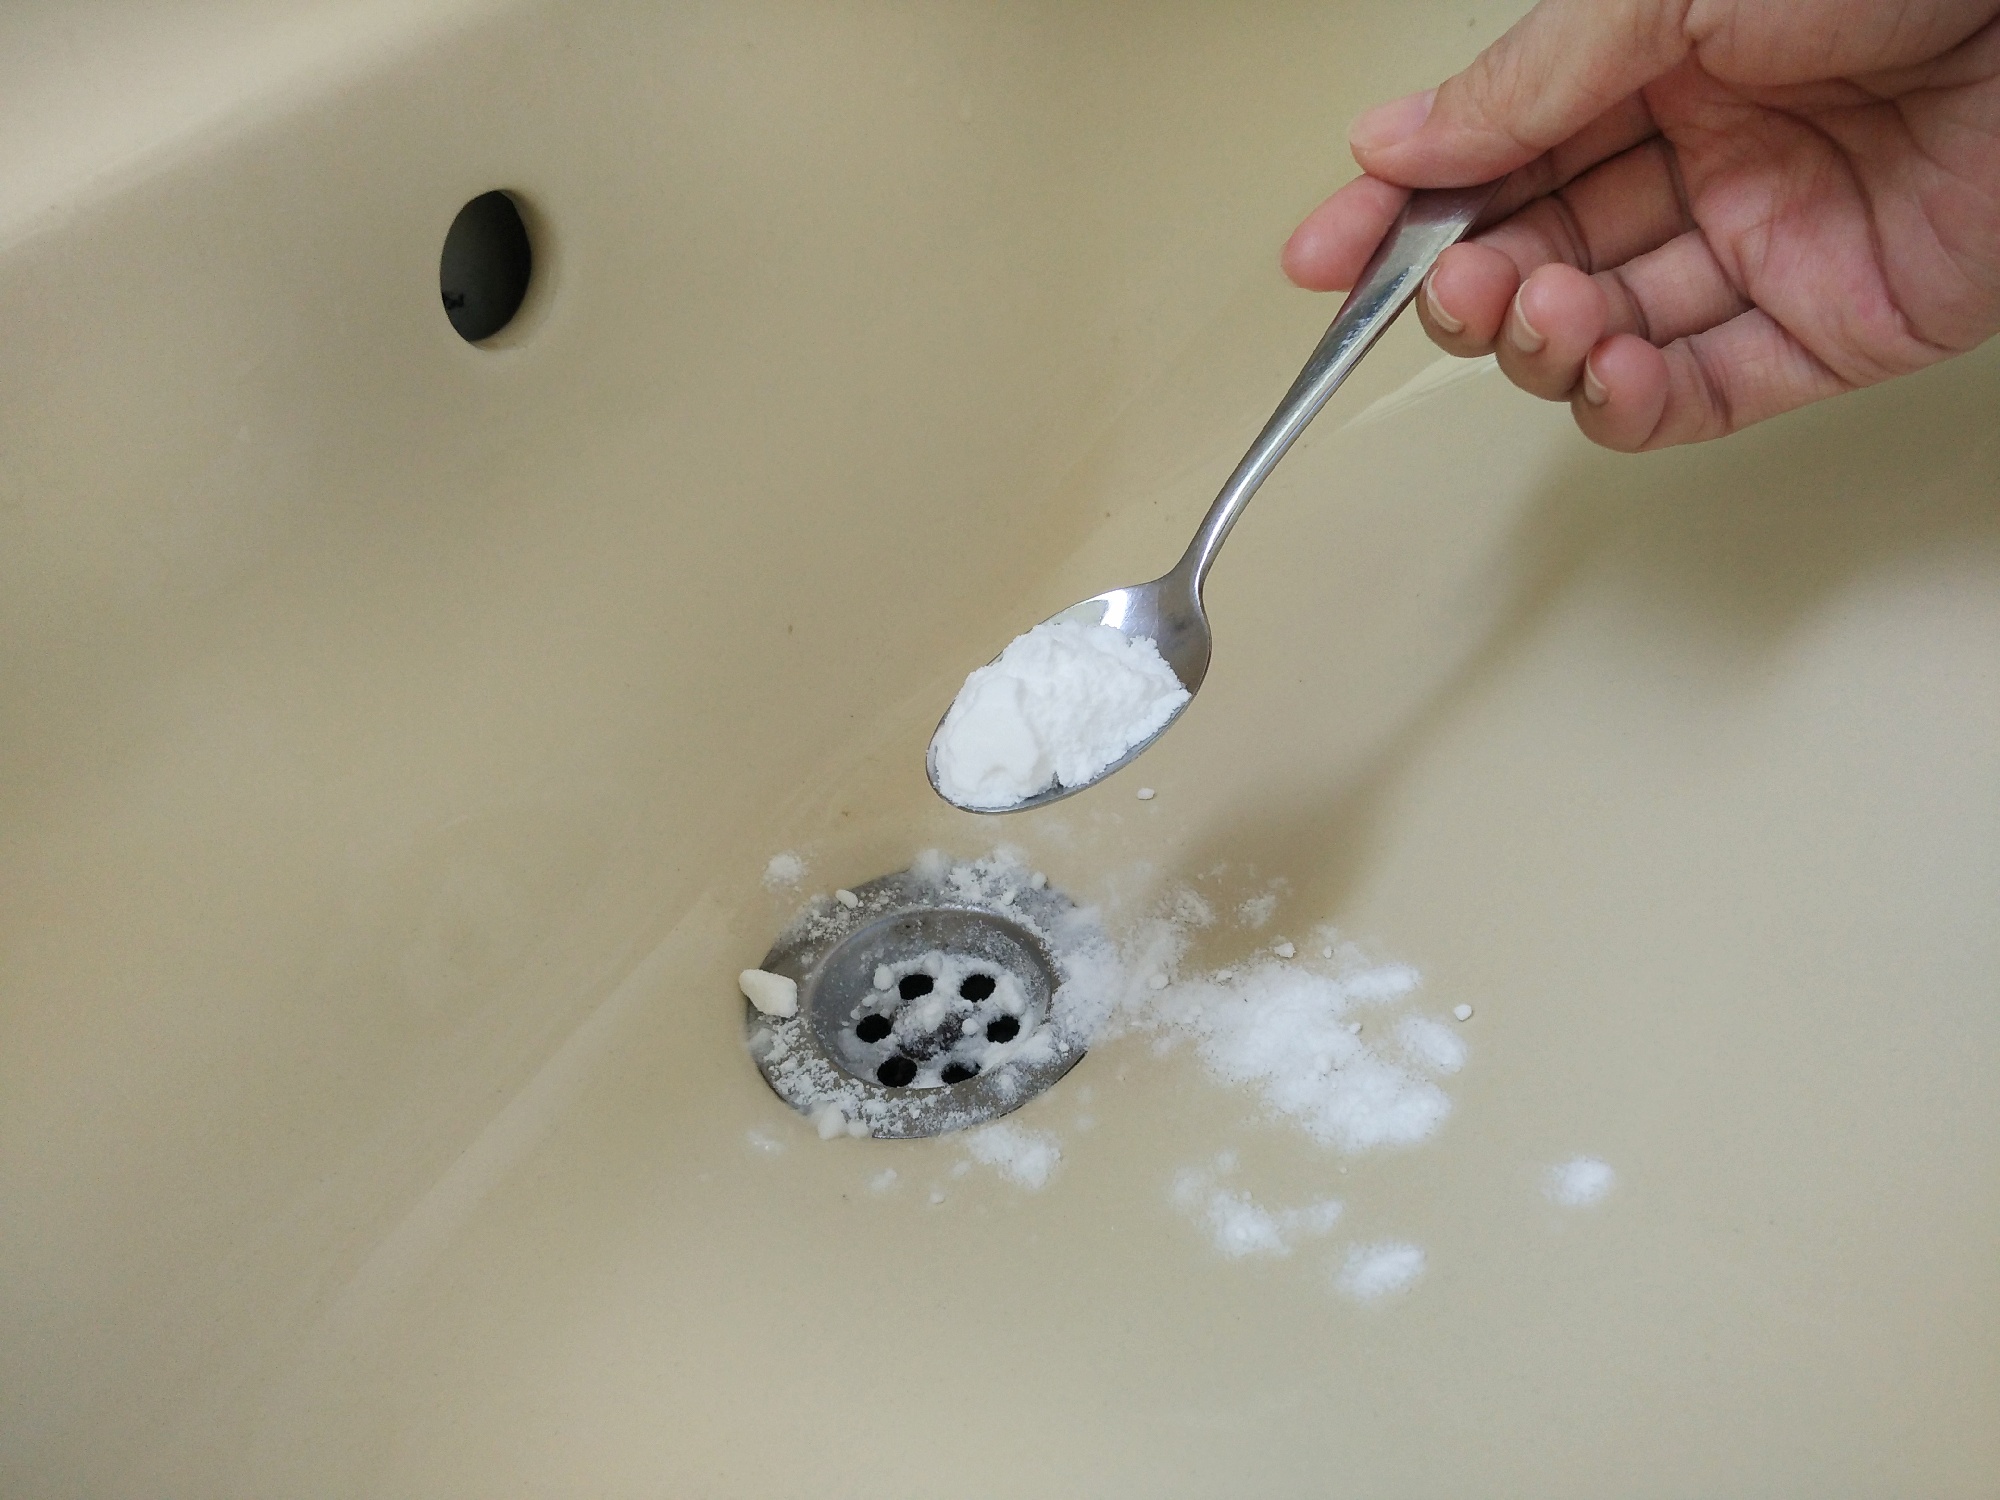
x=1055 y=708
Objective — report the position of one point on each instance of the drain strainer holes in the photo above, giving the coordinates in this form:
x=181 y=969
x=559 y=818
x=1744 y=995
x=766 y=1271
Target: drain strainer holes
x=940 y=1017
x=919 y=1012
x=486 y=266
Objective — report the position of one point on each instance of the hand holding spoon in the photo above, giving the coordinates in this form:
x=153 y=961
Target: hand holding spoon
x=1168 y=610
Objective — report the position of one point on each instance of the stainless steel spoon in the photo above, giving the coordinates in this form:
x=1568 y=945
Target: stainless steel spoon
x=1168 y=610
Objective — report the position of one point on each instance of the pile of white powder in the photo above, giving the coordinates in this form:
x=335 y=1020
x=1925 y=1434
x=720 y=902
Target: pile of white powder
x=1328 y=1038
x=1301 y=1037
x=1055 y=708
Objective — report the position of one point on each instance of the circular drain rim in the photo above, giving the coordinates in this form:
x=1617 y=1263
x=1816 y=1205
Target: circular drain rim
x=819 y=940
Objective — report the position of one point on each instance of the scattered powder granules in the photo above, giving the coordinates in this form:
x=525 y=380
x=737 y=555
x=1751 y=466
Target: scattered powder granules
x=1579 y=1182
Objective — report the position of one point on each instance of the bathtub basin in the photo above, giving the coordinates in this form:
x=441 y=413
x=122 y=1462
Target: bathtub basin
x=397 y=734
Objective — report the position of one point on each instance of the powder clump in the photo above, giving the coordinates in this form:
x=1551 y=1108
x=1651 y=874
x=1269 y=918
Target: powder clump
x=1060 y=704
x=773 y=994
x=784 y=871
x=1579 y=1182
x=1372 y=1272
x=1237 y=1224
x=1026 y=1158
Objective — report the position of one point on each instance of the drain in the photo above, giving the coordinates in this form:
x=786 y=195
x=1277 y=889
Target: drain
x=926 y=1007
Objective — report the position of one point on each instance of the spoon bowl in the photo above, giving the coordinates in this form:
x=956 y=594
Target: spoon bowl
x=1168 y=611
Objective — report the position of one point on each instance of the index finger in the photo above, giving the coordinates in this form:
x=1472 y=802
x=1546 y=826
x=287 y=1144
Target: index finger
x=1329 y=248
x=1561 y=67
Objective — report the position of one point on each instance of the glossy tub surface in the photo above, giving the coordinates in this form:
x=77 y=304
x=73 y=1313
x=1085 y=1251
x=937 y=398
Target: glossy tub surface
x=395 y=734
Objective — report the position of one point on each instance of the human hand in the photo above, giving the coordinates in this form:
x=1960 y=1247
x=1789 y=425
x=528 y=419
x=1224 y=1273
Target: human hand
x=1718 y=211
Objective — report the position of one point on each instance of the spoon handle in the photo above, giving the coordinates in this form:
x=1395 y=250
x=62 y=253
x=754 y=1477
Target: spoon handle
x=1430 y=223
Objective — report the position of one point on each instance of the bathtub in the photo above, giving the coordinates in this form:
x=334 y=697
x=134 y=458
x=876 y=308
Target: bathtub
x=398 y=732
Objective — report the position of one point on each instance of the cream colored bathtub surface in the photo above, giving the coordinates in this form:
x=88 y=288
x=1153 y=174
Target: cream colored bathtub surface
x=395 y=734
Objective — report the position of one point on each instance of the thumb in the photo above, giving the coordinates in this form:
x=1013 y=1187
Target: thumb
x=1558 y=68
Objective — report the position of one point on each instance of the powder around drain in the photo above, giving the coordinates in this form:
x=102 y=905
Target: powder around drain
x=1060 y=704
x=784 y=870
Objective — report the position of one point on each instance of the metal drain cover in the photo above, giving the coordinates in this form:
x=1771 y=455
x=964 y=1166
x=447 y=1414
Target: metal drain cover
x=926 y=1007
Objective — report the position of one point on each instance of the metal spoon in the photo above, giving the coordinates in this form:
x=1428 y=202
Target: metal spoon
x=1168 y=610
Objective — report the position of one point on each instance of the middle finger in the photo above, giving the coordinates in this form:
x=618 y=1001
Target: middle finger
x=1621 y=208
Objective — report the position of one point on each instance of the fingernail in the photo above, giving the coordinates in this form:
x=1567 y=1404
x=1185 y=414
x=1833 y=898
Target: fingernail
x=1386 y=124
x=1522 y=334
x=1438 y=315
x=1593 y=389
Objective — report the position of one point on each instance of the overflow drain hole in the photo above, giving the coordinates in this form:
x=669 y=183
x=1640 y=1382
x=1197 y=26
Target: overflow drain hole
x=486 y=266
